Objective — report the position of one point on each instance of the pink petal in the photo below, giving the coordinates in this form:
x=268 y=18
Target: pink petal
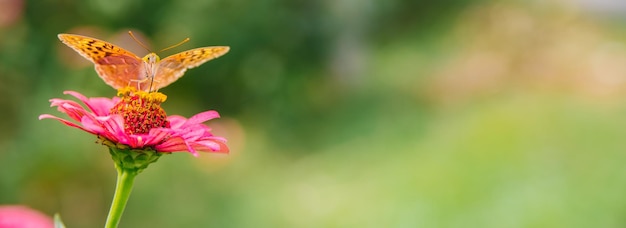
x=110 y=127
x=175 y=144
x=176 y=121
x=211 y=146
x=171 y=143
x=71 y=108
x=138 y=140
x=68 y=123
x=157 y=135
x=76 y=94
x=115 y=126
x=100 y=106
x=202 y=117
x=92 y=124
x=17 y=216
x=193 y=134
x=217 y=138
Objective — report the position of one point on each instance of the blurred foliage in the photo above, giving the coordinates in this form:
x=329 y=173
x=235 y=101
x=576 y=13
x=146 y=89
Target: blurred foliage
x=339 y=113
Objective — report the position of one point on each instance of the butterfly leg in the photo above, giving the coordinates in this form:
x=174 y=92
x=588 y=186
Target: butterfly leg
x=138 y=81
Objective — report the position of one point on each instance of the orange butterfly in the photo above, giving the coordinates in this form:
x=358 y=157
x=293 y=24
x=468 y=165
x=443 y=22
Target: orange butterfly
x=119 y=68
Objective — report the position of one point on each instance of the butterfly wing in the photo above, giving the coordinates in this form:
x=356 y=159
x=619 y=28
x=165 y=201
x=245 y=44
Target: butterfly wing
x=173 y=67
x=116 y=66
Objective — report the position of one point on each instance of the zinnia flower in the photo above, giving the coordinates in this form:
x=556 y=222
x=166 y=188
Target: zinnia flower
x=17 y=216
x=137 y=132
x=136 y=121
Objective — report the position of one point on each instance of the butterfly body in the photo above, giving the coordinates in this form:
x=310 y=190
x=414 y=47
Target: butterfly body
x=120 y=68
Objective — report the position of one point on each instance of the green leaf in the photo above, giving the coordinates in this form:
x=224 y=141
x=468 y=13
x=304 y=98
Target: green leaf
x=57 y=221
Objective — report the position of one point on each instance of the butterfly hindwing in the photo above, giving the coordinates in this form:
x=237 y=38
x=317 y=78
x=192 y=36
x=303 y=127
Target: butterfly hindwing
x=173 y=67
x=120 y=71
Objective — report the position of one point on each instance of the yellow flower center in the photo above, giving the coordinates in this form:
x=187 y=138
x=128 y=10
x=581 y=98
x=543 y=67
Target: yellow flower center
x=141 y=110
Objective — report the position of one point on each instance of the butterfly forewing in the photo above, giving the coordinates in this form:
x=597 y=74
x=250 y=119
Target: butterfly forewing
x=91 y=48
x=173 y=67
x=116 y=66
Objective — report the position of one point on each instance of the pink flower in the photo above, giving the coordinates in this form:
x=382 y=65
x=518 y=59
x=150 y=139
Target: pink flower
x=16 y=216
x=136 y=120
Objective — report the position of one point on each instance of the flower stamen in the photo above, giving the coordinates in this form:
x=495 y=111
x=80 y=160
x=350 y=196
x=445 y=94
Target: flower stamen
x=141 y=110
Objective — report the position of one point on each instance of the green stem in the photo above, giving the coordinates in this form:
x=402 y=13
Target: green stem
x=124 y=186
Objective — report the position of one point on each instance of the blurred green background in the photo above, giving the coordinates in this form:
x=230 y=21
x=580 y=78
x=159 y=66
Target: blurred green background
x=398 y=113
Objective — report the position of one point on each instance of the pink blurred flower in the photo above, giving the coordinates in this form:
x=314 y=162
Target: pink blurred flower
x=16 y=216
x=136 y=120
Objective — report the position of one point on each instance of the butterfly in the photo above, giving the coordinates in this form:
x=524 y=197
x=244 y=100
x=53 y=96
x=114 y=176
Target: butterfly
x=120 y=68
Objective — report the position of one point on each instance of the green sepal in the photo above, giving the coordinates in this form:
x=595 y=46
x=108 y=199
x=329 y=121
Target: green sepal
x=133 y=160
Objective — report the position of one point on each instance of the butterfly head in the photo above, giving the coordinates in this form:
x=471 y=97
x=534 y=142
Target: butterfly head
x=151 y=58
x=150 y=63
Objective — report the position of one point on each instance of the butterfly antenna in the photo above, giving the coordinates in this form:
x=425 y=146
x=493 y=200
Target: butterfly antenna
x=175 y=45
x=139 y=42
